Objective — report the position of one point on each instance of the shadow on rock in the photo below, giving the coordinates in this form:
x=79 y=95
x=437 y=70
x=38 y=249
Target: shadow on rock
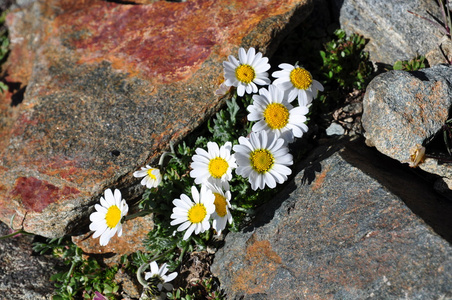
x=412 y=186
x=311 y=167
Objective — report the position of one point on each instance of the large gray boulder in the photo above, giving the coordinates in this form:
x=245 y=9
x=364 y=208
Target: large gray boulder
x=346 y=227
x=393 y=32
x=403 y=111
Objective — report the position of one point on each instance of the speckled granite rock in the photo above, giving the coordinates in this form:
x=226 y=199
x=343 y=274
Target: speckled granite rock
x=402 y=110
x=393 y=32
x=23 y=276
x=344 y=228
x=106 y=87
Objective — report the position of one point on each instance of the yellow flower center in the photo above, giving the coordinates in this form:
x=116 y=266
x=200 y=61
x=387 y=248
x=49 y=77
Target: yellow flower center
x=220 y=205
x=300 y=78
x=261 y=160
x=197 y=213
x=151 y=175
x=218 y=167
x=245 y=73
x=276 y=115
x=113 y=216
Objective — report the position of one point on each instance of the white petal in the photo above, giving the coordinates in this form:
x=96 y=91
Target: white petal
x=269 y=180
x=195 y=194
x=241 y=90
x=317 y=85
x=213 y=149
x=189 y=232
x=109 y=198
x=140 y=173
x=184 y=226
x=250 y=56
x=302 y=98
x=234 y=61
x=286 y=66
x=170 y=277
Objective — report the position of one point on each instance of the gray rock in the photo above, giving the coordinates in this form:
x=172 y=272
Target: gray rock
x=23 y=276
x=393 y=32
x=403 y=110
x=346 y=227
x=335 y=129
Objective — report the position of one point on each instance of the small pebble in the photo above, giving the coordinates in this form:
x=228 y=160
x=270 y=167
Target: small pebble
x=335 y=129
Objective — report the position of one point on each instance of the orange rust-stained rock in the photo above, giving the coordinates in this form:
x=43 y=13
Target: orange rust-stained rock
x=134 y=232
x=106 y=86
x=181 y=38
x=259 y=256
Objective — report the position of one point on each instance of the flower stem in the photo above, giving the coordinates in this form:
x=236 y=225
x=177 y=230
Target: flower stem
x=143 y=266
x=20 y=231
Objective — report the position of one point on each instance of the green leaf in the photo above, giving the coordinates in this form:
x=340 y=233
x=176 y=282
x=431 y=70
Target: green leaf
x=398 y=65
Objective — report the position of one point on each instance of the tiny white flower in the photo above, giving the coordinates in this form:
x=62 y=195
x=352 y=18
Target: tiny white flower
x=263 y=159
x=193 y=215
x=152 y=176
x=158 y=276
x=275 y=114
x=222 y=214
x=106 y=220
x=214 y=165
x=298 y=82
x=246 y=72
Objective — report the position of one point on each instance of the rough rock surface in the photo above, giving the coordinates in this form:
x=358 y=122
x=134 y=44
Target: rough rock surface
x=403 y=111
x=393 y=32
x=23 y=276
x=106 y=86
x=344 y=228
x=135 y=231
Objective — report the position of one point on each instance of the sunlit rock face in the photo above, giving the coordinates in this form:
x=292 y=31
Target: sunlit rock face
x=352 y=224
x=396 y=30
x=99 y=89
x=403 y=112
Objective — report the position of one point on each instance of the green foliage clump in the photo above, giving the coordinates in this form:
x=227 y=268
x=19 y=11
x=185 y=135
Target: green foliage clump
x=207 y=289
x=229 y=122
x=413 y=64
x=345 y=63
x=85 y=275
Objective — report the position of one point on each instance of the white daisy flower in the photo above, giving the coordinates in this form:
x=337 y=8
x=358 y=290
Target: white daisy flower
x=106 y=220
x=246 y=72
x=263 y=159
x=274 y=113
x=158 y=278
x=298 y=82
x=214 y=165
x=152 y=176
x=193 y=216
x=222 y=215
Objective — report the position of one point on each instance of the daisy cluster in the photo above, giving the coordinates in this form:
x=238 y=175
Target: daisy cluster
x=262 y=157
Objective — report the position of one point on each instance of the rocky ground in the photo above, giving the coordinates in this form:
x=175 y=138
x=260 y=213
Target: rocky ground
x=23 y=274
x=352 y=223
